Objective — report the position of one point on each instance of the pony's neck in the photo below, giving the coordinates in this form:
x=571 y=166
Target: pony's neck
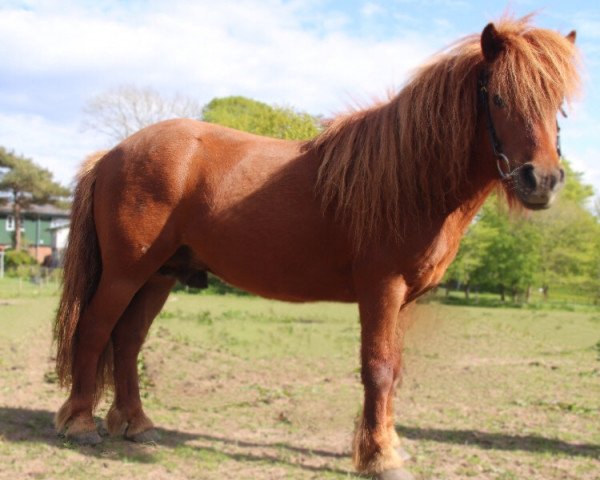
x=480 y=181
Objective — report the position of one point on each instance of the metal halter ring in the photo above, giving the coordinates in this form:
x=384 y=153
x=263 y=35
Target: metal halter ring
x=500 y=157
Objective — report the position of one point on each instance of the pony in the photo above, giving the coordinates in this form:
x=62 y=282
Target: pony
x=370 y=211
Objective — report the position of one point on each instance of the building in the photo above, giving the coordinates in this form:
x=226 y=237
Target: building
x=42 y=229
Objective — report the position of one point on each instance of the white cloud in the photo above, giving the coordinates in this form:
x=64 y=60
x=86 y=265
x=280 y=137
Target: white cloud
x=56 y=54
x=59 y=148
x=258 y=48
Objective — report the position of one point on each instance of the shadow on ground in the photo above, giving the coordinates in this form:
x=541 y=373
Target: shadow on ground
x=24 y=425
x=500 y=441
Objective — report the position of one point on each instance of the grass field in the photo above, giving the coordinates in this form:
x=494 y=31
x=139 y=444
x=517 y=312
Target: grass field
x=250 y=389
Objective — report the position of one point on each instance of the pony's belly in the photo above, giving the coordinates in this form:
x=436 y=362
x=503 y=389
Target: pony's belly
x=296 y=270
x=281 y=281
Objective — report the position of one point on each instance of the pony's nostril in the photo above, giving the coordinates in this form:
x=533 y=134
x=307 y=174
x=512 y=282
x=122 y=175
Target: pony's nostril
x=557 y=178
x=528 y=175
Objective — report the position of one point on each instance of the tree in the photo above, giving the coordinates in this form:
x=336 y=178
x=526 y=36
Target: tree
x=24 y=183
x=509 y=259
x=261 y=119
x=570 y=248
x=124 y=110
x=471 y=254
x=558 y=247
x=575 y=190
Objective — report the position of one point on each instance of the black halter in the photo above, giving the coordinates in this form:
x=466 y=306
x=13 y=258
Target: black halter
x=502 y=161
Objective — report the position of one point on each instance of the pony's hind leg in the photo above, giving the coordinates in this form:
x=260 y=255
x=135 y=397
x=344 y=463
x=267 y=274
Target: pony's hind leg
x=126 y=415
x=108 y=303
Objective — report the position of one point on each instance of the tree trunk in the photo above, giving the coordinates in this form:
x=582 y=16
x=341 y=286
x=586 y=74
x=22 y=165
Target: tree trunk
x=467 y=290
x=502 y=293
x=545 y=292
x=528 y=294
x=17 y=214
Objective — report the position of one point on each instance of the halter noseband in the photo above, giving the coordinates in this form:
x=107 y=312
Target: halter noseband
x=501 y=158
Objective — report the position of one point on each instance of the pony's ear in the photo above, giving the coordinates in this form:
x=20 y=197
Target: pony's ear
x=492 y=44
x=572 y=36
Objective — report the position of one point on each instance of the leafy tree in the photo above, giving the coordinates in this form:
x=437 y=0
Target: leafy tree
x=259 y=118
x=24 y=183
x=570 y=245
x=575 y=190
x=511 y=258
x=559 y=247
x=124 y=110
x=471 y=255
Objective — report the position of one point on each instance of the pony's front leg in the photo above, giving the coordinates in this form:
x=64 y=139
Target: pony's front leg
x=374 y=450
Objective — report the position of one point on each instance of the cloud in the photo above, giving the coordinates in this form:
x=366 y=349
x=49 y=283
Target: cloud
x=59 y=148
x=250 y=47
x=56 y=55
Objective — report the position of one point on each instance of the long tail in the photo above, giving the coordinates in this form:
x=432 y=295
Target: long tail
x=82 y=270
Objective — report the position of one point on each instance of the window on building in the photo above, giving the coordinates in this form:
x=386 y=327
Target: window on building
x=10 y=224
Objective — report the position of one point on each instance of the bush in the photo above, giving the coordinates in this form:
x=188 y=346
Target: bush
x=14 y=259
x=216 y=286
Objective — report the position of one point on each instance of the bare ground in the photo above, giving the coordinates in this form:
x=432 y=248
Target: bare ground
x=247 y=389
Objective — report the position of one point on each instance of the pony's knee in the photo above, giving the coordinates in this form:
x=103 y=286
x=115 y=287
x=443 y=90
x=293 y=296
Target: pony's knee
x=378 y=375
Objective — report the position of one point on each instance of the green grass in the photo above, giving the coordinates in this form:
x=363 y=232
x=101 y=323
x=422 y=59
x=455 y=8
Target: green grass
x=245 y=388
x=559 y=301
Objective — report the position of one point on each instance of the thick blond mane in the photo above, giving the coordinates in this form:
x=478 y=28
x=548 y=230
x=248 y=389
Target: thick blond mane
x=391 y=167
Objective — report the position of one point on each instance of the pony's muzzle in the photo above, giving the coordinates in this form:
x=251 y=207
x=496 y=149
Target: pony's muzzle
x=537 y=186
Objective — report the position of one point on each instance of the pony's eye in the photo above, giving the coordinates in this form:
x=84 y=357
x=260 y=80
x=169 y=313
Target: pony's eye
x=498 y=101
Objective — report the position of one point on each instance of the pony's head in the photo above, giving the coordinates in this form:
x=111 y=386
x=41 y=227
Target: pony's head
x=394 y=167
x=525 y=77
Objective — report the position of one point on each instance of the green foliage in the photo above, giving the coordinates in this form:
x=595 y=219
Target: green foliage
x=558 y=248
x=216 y=286
x=261 y=119
x=25 y=183
x=13 y=259
x=19 y=264
x=575 y=190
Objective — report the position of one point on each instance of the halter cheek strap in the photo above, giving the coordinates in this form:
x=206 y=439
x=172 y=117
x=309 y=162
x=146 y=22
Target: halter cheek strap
x=502 y=161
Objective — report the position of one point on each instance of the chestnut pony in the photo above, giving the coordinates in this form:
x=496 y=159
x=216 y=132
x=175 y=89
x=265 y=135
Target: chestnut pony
x=370 y=211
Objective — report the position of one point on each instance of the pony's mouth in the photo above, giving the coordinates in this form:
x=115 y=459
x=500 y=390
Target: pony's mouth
x=536 y=206
x=541 y=197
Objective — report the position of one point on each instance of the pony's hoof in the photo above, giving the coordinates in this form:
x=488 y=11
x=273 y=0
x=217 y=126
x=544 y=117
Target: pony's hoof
x=404 y=455
x=395 y=474
x=147 y=436
x=85 y=438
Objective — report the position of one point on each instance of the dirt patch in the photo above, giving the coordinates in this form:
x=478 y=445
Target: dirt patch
x=239 y=390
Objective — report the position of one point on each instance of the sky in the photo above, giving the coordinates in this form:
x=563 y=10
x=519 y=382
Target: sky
x=320 y=57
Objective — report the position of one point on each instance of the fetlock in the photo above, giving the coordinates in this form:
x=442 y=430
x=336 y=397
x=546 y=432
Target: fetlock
x=115 y=421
